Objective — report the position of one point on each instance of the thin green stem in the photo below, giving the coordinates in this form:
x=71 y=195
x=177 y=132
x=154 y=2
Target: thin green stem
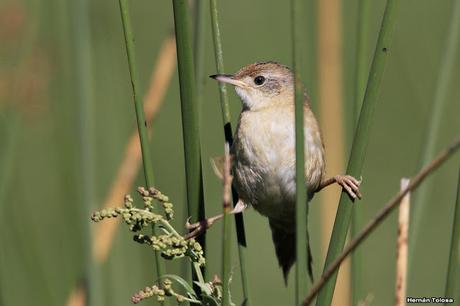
x=197 y=268
x=453 y=270
x=239 y=220
x=145 y=148
x=360 y=142
x=219 y=57
x=301 y=188
x=362 y=43
x=447 y=67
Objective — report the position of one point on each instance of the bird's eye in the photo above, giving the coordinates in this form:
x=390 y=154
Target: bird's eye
x=259 y=80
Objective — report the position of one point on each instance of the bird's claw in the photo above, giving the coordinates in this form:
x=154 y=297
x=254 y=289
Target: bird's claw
x=198 y=228
x=350 y=184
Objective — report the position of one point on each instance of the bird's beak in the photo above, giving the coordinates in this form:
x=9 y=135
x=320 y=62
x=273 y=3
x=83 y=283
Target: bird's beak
x=228 y=78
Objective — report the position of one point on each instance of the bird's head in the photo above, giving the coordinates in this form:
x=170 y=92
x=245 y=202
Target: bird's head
x=261 y=84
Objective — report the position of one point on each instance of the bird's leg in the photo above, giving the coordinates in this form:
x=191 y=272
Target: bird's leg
x=196 y=229
x=348 y=182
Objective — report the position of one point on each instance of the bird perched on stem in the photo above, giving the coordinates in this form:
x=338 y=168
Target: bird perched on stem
x=263 y=153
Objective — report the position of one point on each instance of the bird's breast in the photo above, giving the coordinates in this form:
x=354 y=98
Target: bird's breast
x=264 y=164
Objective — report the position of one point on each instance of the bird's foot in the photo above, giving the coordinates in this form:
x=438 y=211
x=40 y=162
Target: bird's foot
x=198 y=228
x=350 y=184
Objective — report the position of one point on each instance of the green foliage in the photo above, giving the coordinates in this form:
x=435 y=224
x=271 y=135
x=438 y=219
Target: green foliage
x=169 y=243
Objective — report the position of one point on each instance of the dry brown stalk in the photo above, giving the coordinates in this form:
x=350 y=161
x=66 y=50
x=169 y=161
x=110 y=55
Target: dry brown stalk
x=386 y=210
x=105 y=231
x=332 y=125
x=401 y=255
x=227 y=180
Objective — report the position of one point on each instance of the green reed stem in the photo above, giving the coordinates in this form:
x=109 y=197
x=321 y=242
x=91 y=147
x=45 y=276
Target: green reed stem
x=453 y=270
x=83 y=65
x=142 y=129
x=362 y=68
x=199 y=51
x=190 y=115
x=199 y=45
x=239 y=220
x=190 y=110
x=301 y=188
x=360 y=141
x=447 y=67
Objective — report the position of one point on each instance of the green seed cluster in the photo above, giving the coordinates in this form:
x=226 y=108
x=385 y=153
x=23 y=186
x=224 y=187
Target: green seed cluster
x=136 y=219
x=165 y=239
x=154 y=194
x=160 y=292
x=149 y=292
x=171 y=244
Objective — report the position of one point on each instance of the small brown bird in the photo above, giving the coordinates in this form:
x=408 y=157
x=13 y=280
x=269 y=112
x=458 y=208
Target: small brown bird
x=264 y=153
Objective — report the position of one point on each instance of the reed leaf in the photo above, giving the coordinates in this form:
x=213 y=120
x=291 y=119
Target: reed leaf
x=360 y=142
x=362 y=67
x=138 y=106
x=239 y=220
x=301 y=188
x=453 y=270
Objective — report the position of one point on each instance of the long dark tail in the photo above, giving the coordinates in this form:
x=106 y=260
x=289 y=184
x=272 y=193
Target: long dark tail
x=284 y=242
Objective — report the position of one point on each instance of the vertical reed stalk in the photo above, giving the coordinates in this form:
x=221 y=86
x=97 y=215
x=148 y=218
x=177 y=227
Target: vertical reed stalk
x=190 y=115
x=83 y=64
x=453 y=271
x=199 y=51
x=362 y=52
x=439 y=103
x=330 y=98
x=143 y=136
x=226 y=233
x=362 y=67
x=190 y=110
x=360 y=142
x=401 y=250
x=301 y=188
x=199 y=32
x=239 y=220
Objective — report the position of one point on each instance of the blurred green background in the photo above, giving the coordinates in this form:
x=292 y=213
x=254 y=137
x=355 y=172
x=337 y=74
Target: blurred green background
x=57 y=153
